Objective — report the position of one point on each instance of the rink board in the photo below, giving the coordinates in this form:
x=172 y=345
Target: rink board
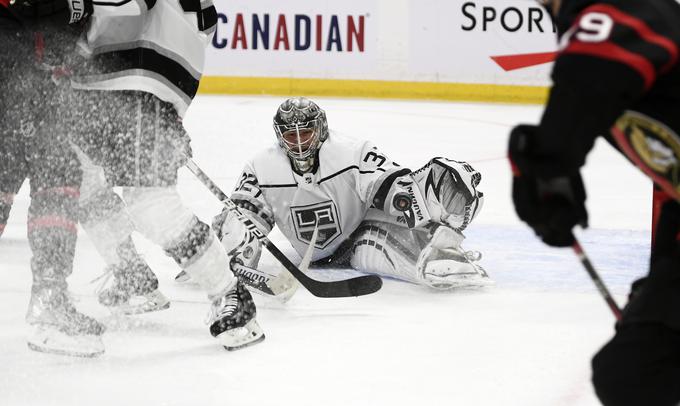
x=480 y=50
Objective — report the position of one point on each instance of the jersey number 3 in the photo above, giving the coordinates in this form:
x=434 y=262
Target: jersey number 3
x=374 y=158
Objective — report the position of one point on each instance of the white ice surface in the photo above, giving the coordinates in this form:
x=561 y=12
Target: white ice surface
x=526 y=341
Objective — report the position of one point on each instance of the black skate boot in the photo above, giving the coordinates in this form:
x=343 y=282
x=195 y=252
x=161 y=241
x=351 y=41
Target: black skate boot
x=232 y=319
x=134 y=290
x=59 y=328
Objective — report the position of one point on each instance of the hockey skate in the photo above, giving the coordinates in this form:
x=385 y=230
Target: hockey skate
x=443 y=264
x=134 y=290
x=232 y=319
x=58 y=328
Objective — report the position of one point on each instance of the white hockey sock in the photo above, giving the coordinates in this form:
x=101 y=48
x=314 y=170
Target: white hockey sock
x=211 y=270
x=191 y=243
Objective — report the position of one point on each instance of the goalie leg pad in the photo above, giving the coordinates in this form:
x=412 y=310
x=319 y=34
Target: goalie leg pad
x=443 y=264
x=386 y=249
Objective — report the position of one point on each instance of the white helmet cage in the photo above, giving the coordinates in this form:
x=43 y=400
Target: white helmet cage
x=296 y=114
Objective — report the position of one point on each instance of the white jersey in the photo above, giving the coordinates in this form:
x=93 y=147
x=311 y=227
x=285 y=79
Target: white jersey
x=155 y=46
x=351 y=177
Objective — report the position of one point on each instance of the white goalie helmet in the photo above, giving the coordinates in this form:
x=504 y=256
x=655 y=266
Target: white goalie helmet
x=301 y=128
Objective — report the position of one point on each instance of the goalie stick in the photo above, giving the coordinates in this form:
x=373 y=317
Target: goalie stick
x=282 y=286
x=358 y=286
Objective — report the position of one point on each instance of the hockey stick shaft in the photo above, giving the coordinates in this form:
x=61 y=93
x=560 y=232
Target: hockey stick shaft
x=601 y=287
x=358 y=286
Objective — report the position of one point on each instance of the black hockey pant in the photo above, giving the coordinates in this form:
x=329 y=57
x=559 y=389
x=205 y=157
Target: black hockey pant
x=641 y=364
x=34 y=145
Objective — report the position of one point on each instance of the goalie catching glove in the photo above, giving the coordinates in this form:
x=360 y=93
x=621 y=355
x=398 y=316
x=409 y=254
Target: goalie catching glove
x=444 y=191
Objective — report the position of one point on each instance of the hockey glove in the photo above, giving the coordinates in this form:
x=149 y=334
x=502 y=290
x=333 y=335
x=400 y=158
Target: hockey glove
x=29 y=10
x=551 y=206
x=242 y=245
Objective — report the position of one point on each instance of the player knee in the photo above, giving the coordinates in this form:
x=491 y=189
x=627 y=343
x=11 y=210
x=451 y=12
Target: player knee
x=200 y=254
x=105 y=219
x=159 y=213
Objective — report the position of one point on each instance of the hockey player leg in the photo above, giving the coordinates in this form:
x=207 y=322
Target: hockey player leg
x=58 y=327
x=13 y=171
x=639 y=366
x=103 y=215
x=443 y=264
x=6 y=202
x=52 y=231
x=193 y=245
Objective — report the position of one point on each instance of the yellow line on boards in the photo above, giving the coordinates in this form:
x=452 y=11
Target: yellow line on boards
x=374 y=89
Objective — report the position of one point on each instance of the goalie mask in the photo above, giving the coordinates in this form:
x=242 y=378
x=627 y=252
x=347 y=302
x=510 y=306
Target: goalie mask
x=301 y=128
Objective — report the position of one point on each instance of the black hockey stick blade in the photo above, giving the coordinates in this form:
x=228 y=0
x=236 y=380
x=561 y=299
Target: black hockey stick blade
x=358 y=286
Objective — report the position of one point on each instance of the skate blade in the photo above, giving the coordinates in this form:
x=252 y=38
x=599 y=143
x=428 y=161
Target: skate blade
x=55 y=351
x=241 y=337
x=131 y=310
x=53 y=341
x=459 y=281
x=151 y=302
x=464 y=284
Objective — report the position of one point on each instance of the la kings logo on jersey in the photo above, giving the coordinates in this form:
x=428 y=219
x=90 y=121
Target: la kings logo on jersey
x=323 y=215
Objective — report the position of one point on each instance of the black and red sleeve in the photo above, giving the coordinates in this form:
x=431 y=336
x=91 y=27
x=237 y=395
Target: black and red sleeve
x=608 y=60
x=625 y=37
